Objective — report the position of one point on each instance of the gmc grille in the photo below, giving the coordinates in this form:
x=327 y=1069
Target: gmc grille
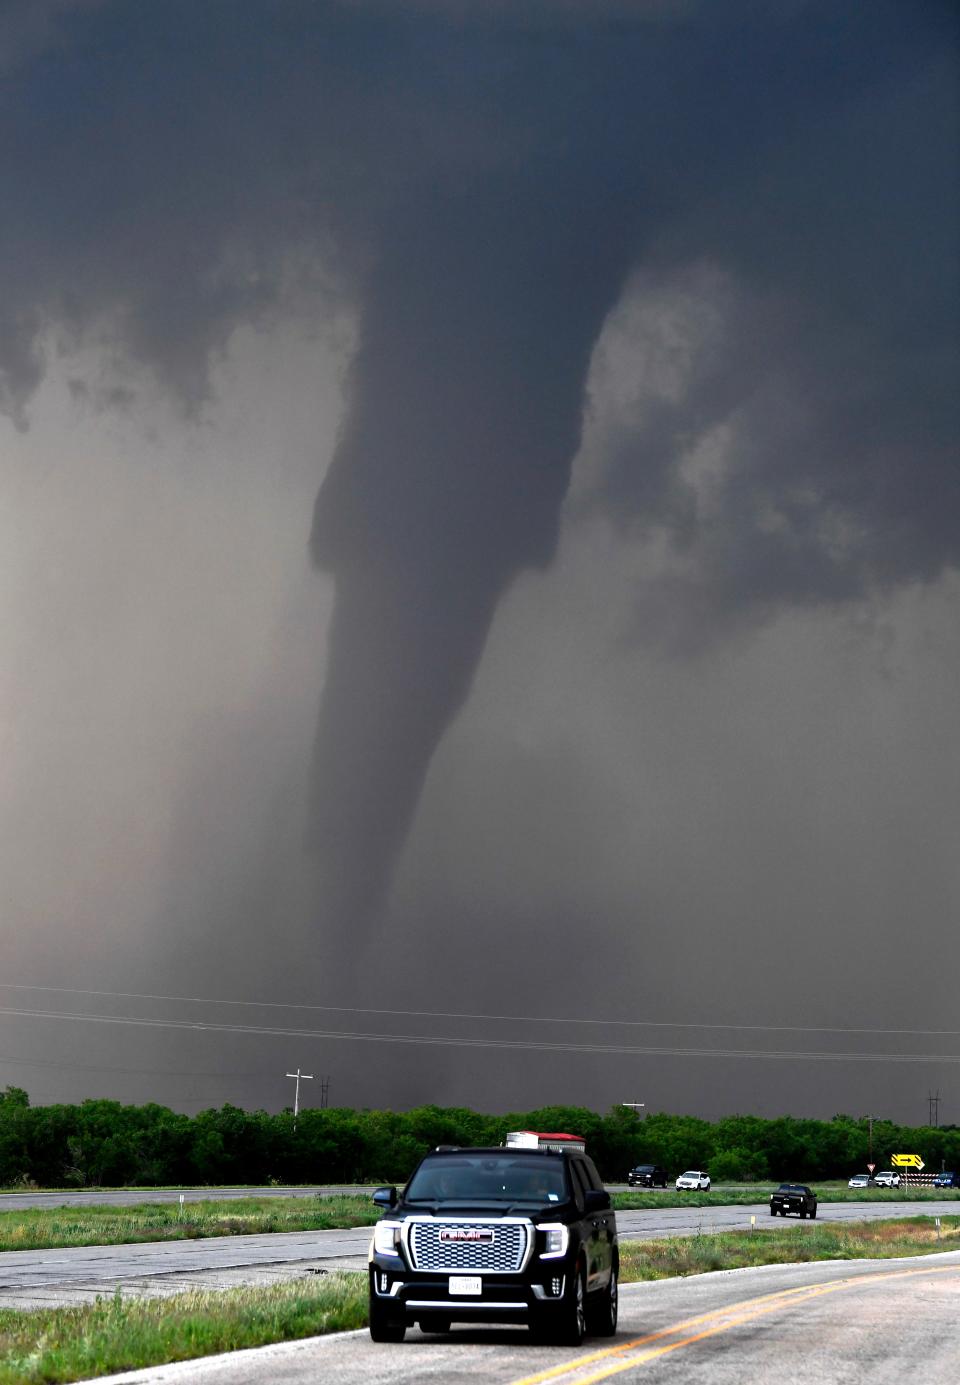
x=505 y=1254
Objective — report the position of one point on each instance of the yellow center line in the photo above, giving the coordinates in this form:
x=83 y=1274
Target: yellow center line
x=723 y=1326
x=716 y=1321
x=556 y=1371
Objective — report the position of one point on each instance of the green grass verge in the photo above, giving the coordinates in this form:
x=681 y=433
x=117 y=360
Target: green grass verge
x=54 y=1227
x=760 y=1192
x=790 y=1244
x=50 y=1345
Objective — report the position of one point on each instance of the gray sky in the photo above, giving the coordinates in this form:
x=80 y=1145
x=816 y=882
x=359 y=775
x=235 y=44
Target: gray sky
x=479 y=536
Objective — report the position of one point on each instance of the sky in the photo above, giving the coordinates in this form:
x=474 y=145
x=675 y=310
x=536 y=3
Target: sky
x=479 y=543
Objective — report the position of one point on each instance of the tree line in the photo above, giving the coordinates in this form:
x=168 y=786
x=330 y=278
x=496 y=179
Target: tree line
x=101 y=1143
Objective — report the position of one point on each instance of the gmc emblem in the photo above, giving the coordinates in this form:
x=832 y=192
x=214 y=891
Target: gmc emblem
x=483 y=1235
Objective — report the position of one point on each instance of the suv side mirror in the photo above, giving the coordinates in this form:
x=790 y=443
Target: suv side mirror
x=596 y=1201
x=385 y=1197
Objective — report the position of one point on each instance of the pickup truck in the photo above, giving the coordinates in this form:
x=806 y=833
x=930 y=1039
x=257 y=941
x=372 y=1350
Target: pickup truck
x=793 y=1197
x=647 y=1176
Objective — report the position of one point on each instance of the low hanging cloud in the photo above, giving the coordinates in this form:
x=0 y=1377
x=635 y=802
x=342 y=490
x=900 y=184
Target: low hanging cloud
x=483 y=186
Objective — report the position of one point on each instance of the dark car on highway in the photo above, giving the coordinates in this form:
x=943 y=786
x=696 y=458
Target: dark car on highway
x=647 y=1176
x=496 y=1235
x=793 y=1198
x=947 y=1180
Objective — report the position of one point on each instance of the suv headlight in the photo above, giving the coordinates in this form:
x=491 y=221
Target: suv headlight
x=386 y=1237
x=556 y=1238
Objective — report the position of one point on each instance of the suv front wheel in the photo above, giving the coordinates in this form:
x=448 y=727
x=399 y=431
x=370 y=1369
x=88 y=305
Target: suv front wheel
x=566 y=1323
x=573 y=1323
x=602 y=1316
x=383 y=1328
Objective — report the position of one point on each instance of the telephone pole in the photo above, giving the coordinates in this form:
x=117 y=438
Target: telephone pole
x=870 y=1164
x=307 y=1077
x=933 y=1118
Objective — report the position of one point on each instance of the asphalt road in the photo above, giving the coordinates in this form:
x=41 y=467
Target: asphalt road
x=35 y=1278
x=864 y=1323
x=132 y=1197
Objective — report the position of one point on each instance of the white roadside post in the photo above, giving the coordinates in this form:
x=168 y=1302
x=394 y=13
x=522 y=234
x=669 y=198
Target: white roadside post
x=307 y=1077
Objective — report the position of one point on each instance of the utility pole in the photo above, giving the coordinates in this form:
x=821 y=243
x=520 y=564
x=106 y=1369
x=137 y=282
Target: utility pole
x=635 y=1106
x=307 y=1077
x=324 y=1093
x=870 y=1164
x=933 y=1117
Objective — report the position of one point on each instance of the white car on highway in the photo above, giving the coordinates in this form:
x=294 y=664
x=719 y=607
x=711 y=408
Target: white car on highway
x=694 y=1179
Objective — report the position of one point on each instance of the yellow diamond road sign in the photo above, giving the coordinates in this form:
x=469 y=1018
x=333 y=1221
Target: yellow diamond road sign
x=906 y=1161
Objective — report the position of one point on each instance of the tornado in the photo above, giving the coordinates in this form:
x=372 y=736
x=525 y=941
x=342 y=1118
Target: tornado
x=464 y=415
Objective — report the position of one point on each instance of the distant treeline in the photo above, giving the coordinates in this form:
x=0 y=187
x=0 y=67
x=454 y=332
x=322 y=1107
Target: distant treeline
x=106 y=1144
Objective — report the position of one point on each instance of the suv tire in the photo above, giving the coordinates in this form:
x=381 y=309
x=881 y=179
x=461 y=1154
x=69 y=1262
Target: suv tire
x=602 y=1316
x=571 y=1320
x=383 y=1328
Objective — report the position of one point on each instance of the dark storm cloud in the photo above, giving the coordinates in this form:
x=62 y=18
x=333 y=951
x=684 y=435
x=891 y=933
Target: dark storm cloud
x=481 y=181
x=836 y=369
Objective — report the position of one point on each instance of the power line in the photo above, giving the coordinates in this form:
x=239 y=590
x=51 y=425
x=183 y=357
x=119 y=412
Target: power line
x=133 y=1072
x=498 y=1019
x=450 y=1041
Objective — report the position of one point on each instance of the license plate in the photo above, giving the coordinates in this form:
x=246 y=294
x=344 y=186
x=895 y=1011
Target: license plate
x=460 y=1284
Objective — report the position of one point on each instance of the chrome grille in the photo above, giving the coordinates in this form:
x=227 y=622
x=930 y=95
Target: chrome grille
x=505 y=1253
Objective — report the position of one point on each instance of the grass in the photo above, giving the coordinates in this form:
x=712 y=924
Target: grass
x=55 y=1227
x=50 y=1345
x=732 y=1250
x=760 y=1192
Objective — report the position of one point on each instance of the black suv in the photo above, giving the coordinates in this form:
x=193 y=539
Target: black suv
x=496 y=1235
x=647 y=1176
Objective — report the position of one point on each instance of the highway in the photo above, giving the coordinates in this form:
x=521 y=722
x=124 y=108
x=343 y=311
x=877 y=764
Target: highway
x=853 y=1323
x=35 y=1278
x=132 y=1197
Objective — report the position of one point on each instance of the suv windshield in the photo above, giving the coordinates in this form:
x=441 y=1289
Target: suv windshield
x=488 y=1177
